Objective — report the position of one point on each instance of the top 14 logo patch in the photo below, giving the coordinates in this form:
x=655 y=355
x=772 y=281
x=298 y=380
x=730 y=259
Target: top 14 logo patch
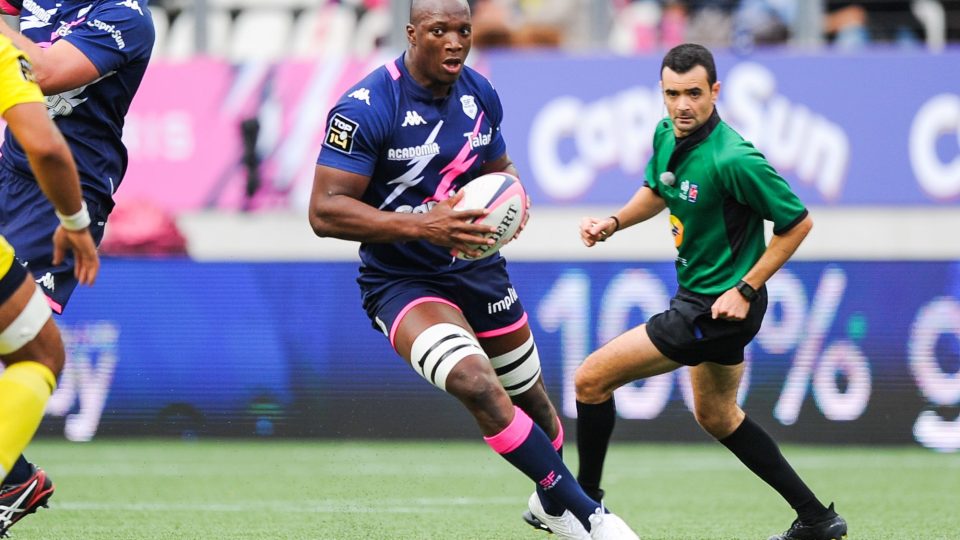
x=340 y=133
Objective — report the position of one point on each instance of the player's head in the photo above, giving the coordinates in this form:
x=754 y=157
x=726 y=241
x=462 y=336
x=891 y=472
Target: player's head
x=688 y=80
x=439 y=36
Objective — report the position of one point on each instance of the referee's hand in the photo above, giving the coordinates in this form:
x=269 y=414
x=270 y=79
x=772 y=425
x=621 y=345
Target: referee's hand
x=593 y=230
x=730 y=306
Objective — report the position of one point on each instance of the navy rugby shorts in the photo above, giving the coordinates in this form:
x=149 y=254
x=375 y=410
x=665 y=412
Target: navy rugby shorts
x=27 y=220
x=482 y=292
x=688 y=334
x=14 y=277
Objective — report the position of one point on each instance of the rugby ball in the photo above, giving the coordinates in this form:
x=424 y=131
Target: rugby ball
x=504 y=196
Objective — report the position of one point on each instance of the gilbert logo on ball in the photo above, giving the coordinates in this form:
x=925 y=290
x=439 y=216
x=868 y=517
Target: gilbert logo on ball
x=504 y=196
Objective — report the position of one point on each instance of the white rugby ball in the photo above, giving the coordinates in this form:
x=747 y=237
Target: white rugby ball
x=504 y=196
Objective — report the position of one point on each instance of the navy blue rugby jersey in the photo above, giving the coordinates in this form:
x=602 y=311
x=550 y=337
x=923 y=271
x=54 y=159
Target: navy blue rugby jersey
x=117 y=36
x=416 y=150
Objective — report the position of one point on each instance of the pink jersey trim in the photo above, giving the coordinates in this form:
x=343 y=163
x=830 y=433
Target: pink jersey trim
x=458 y=166
x=8 y=9
x=513 y=435
x=558 y=442
x=391 y=68
x=57 y=308
x=504 y=330
x=411 y=305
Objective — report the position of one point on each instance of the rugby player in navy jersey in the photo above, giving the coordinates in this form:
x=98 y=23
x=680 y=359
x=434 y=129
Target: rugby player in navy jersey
x=399 y=144
x=88 y=58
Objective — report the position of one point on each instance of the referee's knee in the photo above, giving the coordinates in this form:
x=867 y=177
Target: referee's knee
x=589 y=388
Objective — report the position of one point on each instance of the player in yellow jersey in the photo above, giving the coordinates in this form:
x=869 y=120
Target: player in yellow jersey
x=30 y=346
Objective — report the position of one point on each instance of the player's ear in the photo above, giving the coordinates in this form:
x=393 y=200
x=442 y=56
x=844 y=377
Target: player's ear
x=715 y=91
x=411 y=34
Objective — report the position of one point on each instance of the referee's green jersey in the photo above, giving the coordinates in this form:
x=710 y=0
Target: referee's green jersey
x=722 y=191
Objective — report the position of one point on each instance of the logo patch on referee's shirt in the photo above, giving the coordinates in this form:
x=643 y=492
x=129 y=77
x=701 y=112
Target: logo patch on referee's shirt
x=26 y=69
x=340 y=133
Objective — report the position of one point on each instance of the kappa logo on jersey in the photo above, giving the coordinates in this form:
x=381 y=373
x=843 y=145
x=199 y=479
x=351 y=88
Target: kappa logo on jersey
x=132 y=4
x=27 y=70
x=47 y=281
x=413 y=118
x=469 y=106
x=361 y=94
x=340 y=133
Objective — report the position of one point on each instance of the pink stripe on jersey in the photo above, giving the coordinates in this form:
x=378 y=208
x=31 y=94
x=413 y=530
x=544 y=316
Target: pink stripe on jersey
x=5 y=7
x=504 y=330
x=57 y=308
x=408 y=307
x=513 y=435
x=458 y=166
x=558 y=442
x=391 y=68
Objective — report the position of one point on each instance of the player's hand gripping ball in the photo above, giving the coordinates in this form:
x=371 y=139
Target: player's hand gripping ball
x=503 y=195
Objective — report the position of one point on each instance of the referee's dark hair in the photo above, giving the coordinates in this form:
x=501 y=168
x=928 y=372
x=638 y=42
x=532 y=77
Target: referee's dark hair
x=687 y=56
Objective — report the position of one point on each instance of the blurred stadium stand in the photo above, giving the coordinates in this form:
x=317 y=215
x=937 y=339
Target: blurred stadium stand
x=236 y=29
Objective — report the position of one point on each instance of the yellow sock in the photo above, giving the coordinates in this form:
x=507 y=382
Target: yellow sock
x=25 y=388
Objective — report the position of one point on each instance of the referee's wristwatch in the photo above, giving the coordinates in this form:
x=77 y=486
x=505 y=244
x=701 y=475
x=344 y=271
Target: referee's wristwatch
x=747 y=290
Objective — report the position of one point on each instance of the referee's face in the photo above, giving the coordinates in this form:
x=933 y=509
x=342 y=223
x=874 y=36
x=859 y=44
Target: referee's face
x=440 y=36
x=689 y=98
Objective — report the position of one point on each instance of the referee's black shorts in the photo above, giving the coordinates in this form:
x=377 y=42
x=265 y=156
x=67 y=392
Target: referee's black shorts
x=688 y=334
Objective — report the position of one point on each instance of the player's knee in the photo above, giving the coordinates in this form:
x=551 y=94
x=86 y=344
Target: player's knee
x=477 y=389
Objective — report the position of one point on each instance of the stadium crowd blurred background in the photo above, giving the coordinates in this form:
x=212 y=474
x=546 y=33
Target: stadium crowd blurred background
x=220 y=313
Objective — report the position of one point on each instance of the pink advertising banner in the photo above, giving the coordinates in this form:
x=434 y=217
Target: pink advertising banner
x=185 y=139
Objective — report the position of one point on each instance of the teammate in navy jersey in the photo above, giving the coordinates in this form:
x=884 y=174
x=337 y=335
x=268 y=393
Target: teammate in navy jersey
x=89 y=58
x=399 y=144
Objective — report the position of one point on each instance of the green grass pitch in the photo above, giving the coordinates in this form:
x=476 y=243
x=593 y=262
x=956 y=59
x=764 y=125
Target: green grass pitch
x=228 y=489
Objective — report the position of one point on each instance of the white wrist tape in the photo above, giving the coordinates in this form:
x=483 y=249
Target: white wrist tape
x=78 y=221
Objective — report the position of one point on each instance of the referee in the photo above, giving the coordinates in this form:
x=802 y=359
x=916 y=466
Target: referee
x=719 y=190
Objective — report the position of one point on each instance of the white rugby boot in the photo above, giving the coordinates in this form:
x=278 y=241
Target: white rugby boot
x=610 y=527
x=565 y=526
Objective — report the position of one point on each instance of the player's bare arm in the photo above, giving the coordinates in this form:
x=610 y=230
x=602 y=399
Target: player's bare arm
x=58 y=68
x=644 y=204
x=56 y=173
x=734 y=306
x=337 y=211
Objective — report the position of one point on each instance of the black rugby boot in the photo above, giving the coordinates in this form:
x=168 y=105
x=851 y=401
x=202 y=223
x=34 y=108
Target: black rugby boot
x=830 y=527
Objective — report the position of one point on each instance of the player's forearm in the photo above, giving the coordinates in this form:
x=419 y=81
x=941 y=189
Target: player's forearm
x=48 y=153
x=642 y=206
x=57 y=175
x=347 y=218
x=778 y=252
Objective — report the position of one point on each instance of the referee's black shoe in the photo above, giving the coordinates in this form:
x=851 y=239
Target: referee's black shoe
x=830 y=527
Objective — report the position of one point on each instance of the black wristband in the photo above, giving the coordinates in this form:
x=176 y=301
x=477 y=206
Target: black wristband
x=617 y=221
x=747 y=290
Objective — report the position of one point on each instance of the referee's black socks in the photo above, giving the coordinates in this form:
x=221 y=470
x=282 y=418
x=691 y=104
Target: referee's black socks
x=594 y=428
x=760 y=453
